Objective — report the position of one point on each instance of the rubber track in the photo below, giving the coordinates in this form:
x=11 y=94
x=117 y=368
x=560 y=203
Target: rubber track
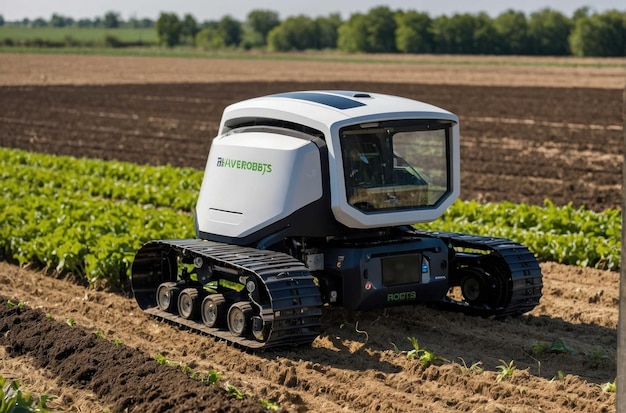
x=525 y=272
x=295 y=299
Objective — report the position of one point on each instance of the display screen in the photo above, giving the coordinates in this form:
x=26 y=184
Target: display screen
x=401 y=269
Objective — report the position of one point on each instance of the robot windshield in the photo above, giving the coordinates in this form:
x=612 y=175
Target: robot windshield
x=396 y=165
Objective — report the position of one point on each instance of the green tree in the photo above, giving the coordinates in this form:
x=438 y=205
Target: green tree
x=217 y=35
x=146 y=23
x=327 y=31
x=189 y=29
x=38 y=22
x=230 y=30
x=352 y=35
x=261 y=22
x=382 y=31
x=581 y=12
x=60 y=21
x=600 y=35
x=112 y=20
x=486 y=38
x=374 y=32
x=210 y=38
x=1 y=20
x=549 y=32
x=295 y=33
x=84 y=23
x=454 y=34
x=168 y=28
x=512 y=29
x=413 y=33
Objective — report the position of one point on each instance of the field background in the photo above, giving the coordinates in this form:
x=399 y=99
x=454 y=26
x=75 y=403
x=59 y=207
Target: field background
x=60 y=34
x=531 y=128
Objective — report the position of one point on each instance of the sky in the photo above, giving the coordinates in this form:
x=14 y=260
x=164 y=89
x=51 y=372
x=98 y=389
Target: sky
x=204 y=10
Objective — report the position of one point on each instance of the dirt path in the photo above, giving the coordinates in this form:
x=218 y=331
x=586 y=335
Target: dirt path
x=35 y=69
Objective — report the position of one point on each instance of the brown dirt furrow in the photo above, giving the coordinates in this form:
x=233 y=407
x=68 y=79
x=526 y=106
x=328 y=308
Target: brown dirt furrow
x=40 y=381
x=531 y=135
x=34 y=69
x=359 y=363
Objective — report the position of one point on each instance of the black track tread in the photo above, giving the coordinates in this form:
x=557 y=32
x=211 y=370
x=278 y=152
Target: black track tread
x=525 y=272
x=296 y=302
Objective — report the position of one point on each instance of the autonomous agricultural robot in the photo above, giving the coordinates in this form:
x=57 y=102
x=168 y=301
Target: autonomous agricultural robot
x=308 y=200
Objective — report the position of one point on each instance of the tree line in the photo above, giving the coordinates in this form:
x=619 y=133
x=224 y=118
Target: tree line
x=383 y=30
x=110 y=20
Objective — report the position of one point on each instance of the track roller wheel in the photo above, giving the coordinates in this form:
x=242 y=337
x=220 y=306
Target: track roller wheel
x=167 y=296
x=472 y=287
x=213 y=310
x=239 y=318
x=480 y=288
x=188 y=304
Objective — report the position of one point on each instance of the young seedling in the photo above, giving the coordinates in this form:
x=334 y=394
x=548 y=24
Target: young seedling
x=70 y=322
x=474 y=368
x=268 y=404
x=162 y=360
x=610 y=387
x=211 y=377
x=232 y=390
x=505 y=370
x=426 y=357
x=559 y=376
x=597 y=354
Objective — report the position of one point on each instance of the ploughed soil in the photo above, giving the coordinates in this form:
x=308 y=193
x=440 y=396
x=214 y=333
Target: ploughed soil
x=518 y=144
x=522 y=143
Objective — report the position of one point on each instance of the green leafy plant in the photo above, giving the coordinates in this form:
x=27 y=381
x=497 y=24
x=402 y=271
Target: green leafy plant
x=211 y=377
x=13 y=400
x=162 y=360
x=505 y=370
x=90 y=216
x=425 y=357
x=70 y=322
x=557 y=346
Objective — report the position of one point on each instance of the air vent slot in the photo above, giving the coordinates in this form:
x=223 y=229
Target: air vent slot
x=361 y=95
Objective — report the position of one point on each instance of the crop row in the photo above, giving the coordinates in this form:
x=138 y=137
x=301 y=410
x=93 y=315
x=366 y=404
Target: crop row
x=89 y=217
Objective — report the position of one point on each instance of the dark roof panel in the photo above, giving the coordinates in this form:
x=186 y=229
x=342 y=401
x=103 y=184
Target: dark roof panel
x=334 y=101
